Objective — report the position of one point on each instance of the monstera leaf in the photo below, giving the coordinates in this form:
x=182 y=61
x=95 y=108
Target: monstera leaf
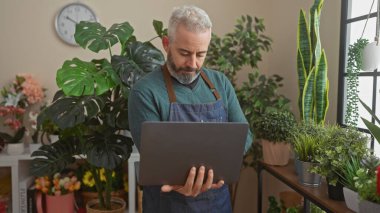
x=77 y=77
x=69 y=111
x=140 y=59
x=96 y=38
x=49 y=159
x=107 y=149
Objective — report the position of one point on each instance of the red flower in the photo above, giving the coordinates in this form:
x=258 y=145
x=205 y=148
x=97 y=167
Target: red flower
x=378 y=180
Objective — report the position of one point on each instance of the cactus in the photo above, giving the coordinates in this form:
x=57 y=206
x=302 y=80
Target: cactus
x=313 y=83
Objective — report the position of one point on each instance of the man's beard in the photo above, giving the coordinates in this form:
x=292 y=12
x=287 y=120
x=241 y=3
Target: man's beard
x=184 y=77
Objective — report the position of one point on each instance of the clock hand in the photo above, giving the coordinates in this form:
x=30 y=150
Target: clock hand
x=72 y=20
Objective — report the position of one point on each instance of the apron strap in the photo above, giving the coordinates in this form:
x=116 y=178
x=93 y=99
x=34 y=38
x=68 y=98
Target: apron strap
x=169 y=84
x=210 y=85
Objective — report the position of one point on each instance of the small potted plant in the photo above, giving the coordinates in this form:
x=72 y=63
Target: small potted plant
x=347 y=177
x=337 y=148
x=305 y=143
x=367 y=182
x=59 y=192
x=274 y=128
x=24 y=96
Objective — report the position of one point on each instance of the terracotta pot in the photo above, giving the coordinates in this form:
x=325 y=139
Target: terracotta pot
x=118 y=205
x=57 y=204
x=87 y=196
x=290 y=199
x=276 y=154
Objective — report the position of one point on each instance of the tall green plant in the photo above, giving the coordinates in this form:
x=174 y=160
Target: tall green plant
x=241 y=47
x=354 y=64
x=313 y=83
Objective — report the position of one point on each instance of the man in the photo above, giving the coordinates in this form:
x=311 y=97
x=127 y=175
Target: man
x=182 y=90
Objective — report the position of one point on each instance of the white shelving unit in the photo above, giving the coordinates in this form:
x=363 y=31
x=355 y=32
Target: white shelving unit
x=135 y=157
x=19 y=165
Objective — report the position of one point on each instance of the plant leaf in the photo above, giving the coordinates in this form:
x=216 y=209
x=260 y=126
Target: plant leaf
x=94 y=36
x=77 y=77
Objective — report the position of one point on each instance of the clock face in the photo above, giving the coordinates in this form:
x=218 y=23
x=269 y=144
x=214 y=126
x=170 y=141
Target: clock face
x=68 y=17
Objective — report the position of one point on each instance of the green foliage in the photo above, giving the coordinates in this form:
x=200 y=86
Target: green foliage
x=354 y=64
x=366 y=184
x=275 y=126
x=337 y=148
x=349 y=172
x=91 y=107
x=306 y=139
x=313 y=84
x=373 y=128
x=241 y=47
x=16 y=138
x=244 y=47
x=260 y=94
x=273 y=205
x=305 y=146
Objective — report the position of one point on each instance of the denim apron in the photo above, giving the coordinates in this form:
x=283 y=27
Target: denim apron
x=214 y=200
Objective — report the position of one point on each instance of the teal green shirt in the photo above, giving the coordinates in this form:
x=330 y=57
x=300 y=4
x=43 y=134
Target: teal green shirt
x=149 y=100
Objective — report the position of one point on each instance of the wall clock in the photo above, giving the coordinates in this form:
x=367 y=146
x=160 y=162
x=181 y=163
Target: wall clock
x=68 y=17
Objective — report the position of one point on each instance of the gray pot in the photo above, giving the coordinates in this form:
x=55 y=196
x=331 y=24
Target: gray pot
x=366 y=206
x=304 y=176
x=351 y=198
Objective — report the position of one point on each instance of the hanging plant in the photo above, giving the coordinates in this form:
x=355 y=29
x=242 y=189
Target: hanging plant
x=354 y=64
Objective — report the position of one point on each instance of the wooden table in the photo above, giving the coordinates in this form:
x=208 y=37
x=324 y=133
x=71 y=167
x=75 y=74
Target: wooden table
x=287 y=175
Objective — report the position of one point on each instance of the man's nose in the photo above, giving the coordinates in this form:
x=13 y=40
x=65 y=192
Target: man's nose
x=192 y=61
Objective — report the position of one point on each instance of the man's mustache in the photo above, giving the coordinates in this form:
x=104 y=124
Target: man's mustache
x=187 y=69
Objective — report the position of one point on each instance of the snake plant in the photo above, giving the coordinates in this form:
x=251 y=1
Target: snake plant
x=313 y=83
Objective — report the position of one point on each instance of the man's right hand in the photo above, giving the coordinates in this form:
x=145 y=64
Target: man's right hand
x=193 y=187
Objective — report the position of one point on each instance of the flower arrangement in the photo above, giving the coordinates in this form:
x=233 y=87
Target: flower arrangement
x=19 y=96
x=119 y=180
x=58 y=185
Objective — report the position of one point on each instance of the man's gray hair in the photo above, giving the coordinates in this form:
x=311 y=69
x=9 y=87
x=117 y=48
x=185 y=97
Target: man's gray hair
x=193 y=18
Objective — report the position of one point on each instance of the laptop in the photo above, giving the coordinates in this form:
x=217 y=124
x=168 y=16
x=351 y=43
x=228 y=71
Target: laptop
x=169 y=149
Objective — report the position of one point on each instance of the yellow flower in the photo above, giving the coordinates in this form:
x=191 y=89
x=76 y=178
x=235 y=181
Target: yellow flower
x=88 y=179
x=102 y=176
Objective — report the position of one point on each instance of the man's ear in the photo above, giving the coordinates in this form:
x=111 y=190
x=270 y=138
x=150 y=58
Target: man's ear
x=165 y=43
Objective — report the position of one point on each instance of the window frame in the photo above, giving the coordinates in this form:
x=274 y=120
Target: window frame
x=343 y=48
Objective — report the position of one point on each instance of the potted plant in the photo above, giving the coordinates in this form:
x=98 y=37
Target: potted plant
x=313 y=84
x=305 y=143
x=274 y=128
x=91 y=106
x=337 y=148
x=347 y=177
x=367 y=182
x=243 y=47
x=58 y=190
x=14 y=144
x=354 y=66
x=22 y=97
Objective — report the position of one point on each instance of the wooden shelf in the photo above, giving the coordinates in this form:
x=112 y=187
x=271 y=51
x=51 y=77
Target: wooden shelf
x=317 y=195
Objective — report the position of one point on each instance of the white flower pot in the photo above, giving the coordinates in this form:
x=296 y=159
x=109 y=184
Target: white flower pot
x=351 y=198
x=366 y=206
x=15 y=148
x=277 y=154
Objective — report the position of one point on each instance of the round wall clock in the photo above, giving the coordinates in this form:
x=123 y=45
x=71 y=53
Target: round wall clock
x=68 y=17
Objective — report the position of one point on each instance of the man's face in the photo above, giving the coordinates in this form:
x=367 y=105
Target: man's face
x=186 y=53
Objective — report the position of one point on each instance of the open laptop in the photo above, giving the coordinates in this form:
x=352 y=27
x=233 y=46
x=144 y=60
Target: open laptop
x=169 y=149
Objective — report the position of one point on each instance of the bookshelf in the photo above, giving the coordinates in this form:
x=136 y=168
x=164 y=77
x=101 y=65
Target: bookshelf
x=19 y=166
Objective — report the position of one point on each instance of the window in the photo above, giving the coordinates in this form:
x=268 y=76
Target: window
x=353 y=19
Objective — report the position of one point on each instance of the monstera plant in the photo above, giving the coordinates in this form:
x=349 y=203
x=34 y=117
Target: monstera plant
x=91 y=106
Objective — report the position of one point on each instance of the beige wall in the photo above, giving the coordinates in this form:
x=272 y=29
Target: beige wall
x=28 y=44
